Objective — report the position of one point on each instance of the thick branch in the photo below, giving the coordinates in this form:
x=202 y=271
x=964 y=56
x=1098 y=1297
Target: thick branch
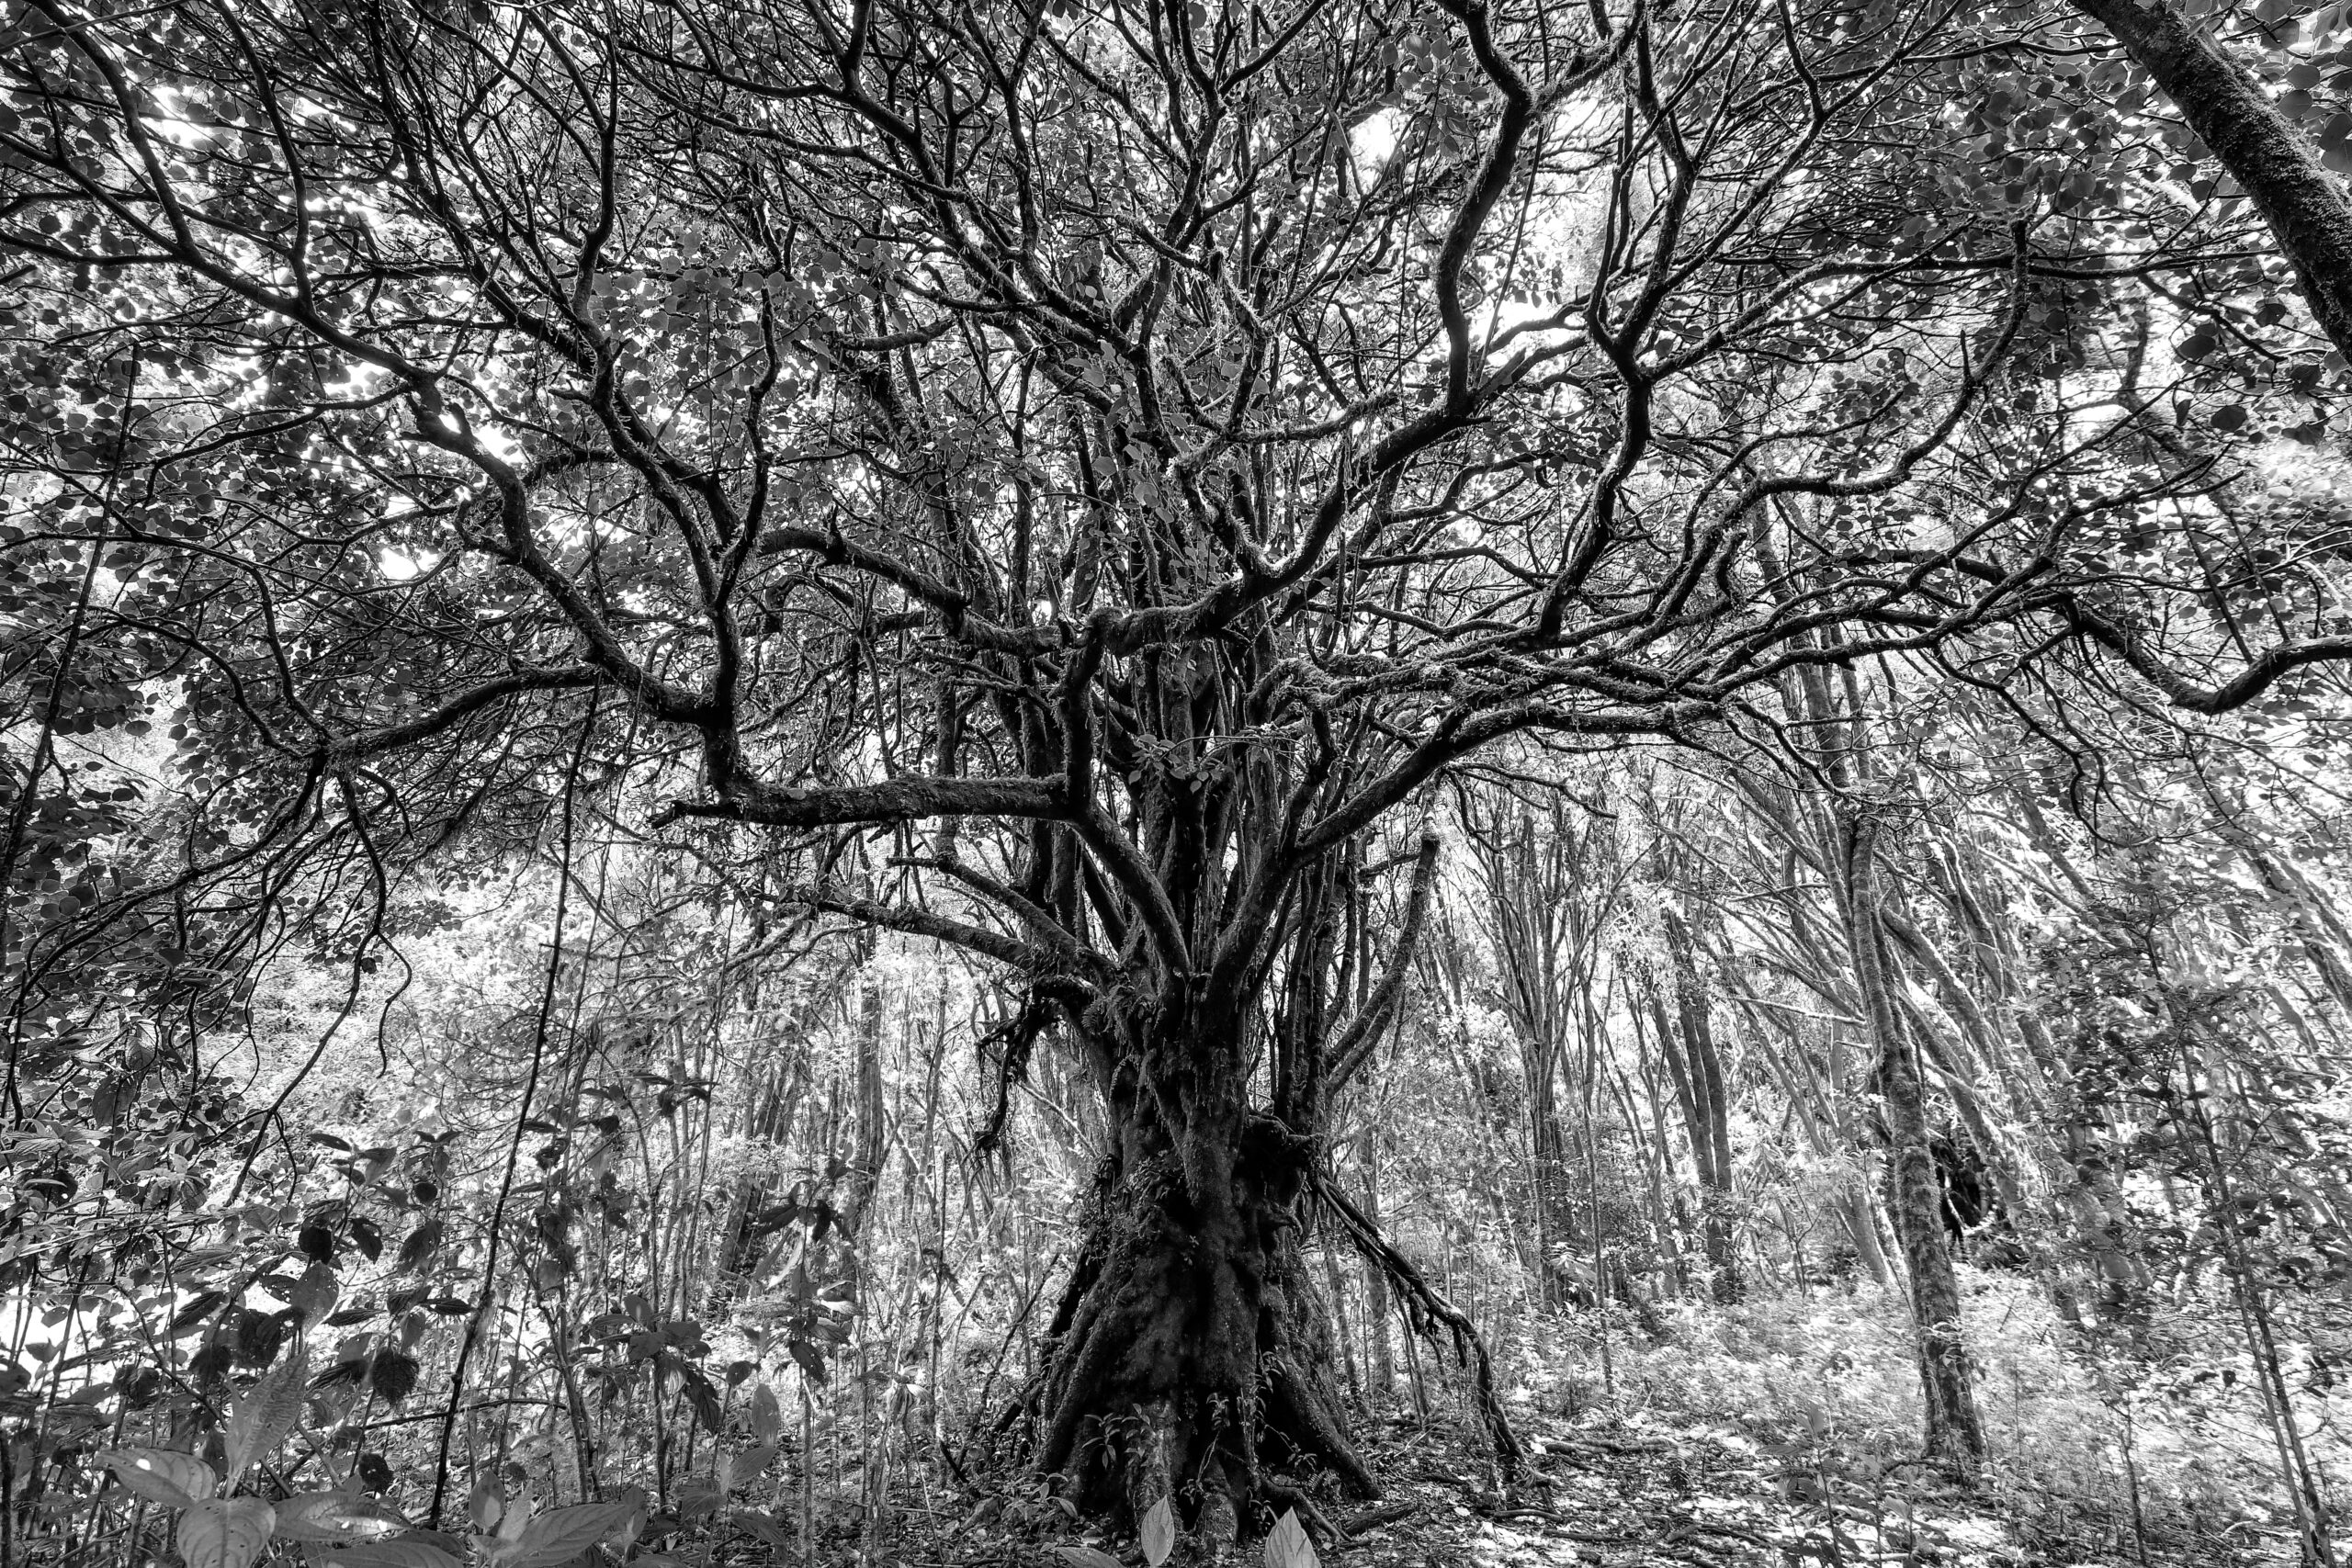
x=893 y=800
x=1047 y=968
x=1048 y=931
x=2303 y=203
x=392 y=736
x=2260 y=674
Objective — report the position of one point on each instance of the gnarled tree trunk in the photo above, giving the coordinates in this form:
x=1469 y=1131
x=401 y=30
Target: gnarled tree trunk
x=1190 y=1358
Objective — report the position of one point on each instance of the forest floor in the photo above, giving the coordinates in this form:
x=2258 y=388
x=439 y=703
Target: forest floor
x=1615 y=1493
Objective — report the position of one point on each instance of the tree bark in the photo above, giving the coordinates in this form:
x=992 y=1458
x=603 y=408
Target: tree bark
x=1556 y=1231
x=1382 y=1362
x=1687 y=1044
x=864 y=1173
x=1189 y=1359
x=1954 y=1433
x=2303 y=204
x=1858 y=1212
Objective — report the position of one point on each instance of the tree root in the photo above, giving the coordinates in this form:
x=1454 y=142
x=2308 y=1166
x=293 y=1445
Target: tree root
x=1425 y=1306
x=1283 y=1494
x=1385 y=1514
x=1175 y=1354
x=1296 y=1411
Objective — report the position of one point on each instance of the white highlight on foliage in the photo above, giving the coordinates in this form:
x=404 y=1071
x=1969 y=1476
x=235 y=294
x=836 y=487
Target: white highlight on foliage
x=1370 y=145
x=405 y=566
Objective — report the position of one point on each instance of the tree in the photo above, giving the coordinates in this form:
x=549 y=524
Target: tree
x=1955 y=1432
x=1064 y=481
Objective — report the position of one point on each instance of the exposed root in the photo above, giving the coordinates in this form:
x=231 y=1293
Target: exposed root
x=1070 y=1387
x=1425 y=1306
x=1296 y=1411
x=1282 y=1494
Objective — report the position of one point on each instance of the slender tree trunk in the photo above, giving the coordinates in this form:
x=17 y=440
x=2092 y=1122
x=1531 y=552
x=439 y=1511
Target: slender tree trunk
x=1699 y=1083
x=2193 y=1106
x=1382 y=1360
x=1336 y=1284
x=1954 y=1434
x=1556 y=1220
x=1665 y=1207
x=866 y=1110
x=1859 y=1213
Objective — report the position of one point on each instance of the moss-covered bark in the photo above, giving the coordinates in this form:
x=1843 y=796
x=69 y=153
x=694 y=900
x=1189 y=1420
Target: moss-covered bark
x=1190 y=1358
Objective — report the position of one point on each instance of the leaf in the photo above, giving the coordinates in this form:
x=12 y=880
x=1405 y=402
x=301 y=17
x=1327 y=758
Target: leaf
x=259 y=1333
x=753 y=1522
x=336 y=1517
x=198 y=1309
x=639 y=1504
x=1286 y=1543
x=391 y=1374
x=265 y=1413
x=314 y=1293
x=702 y=1397
x=419 y=1245
x=751 y=1461
x=1159 y=1533
x=389 y=1554
x=564 y=1534
x=174 y=1480
x=1086 y=1557
x=511 y=1523
x=225 y=1532
x=767 y=1415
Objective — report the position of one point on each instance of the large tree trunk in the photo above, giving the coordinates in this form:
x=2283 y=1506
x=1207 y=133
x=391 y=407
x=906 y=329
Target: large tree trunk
x=1190 y=1358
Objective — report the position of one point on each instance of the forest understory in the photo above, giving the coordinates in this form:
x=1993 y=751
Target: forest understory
x=774 y=1307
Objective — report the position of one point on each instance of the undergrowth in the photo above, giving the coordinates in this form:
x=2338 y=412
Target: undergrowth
x=2091 y=1456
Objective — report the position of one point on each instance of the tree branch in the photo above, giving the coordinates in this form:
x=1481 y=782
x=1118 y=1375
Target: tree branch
x=2304 y=205
x=1360 y=1034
